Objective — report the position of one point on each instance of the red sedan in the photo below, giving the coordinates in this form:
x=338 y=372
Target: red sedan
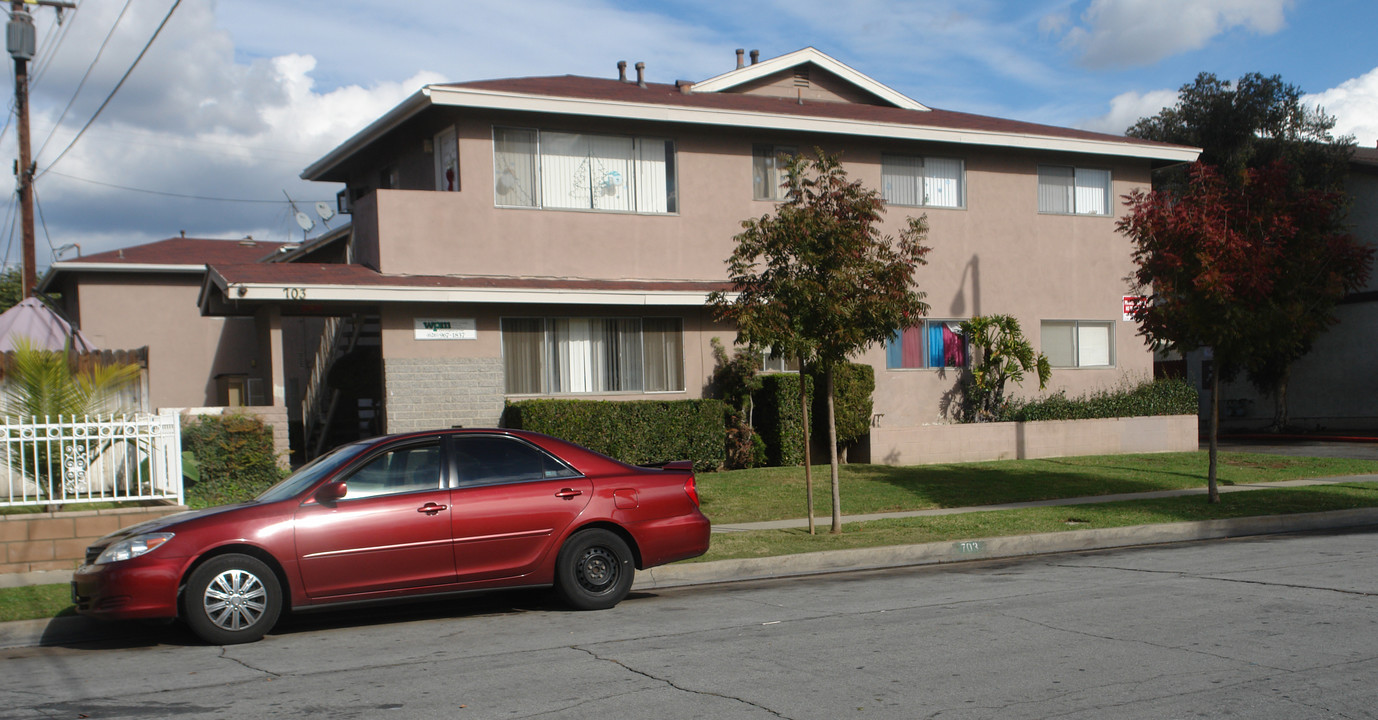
x=447 y=511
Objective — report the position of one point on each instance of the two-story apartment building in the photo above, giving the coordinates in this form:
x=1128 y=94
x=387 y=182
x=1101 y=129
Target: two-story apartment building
x=557 y=236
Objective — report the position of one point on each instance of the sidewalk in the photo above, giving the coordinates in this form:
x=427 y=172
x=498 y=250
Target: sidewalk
x=73 y=630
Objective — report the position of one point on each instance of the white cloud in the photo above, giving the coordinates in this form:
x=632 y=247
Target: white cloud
x=1354 y=103
x=1127 y=108
x=1121 y=33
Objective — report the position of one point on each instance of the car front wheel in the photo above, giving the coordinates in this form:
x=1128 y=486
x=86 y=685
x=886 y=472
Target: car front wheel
x=232 y=599
x=594 y=570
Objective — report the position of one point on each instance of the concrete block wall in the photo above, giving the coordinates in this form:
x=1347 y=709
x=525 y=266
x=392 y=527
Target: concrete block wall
x=36 y=542
x=429 y=393
x=1018 y=441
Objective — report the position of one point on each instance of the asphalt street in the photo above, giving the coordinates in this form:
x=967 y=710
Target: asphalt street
x=1270 y=627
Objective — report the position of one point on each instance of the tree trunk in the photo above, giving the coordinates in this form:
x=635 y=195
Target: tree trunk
x=808 y=463
x=832 y=453
x=1280 y=403
x=1212 y=491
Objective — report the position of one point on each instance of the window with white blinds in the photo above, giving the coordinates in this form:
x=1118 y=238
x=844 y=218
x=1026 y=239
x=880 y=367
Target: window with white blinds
x=1078 y=343
x=583 y=171
x=1073 y=190
x=923 y=181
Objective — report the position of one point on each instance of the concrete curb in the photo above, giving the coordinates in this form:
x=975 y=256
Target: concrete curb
x=833 y=561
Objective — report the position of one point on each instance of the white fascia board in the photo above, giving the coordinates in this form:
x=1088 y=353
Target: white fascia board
x=768 y=67
x=418 y=101
x=400 y=294
x=127 y=267
x=492 y=100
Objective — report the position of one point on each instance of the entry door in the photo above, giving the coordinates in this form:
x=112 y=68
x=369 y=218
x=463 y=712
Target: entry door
x=390 y=531
x=512 y=500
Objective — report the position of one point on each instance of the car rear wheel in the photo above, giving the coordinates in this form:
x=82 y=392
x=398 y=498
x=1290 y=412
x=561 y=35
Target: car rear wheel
x=594 y=570
x=232 y=599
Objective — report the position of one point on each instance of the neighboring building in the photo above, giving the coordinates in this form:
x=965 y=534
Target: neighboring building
x=557 y=236
x=1334 y=386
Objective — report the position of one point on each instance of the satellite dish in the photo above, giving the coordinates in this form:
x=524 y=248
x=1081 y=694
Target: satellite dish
x=305 y=222
x=325 y=211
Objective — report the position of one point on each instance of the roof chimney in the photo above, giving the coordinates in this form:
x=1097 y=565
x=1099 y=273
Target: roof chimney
x=685 y=87
x=740 y=63
x=641 y=74
x=755 y=56
x=621 y=71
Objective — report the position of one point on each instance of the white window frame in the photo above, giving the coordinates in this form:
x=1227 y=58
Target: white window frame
x=573 y=368
x=645 y=193
x=773 y=363
x=767 y=176
x=894 y=166
x=1074 y=196
x=1080 y=338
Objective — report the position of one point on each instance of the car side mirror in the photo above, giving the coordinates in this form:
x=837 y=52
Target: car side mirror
x=330 y=492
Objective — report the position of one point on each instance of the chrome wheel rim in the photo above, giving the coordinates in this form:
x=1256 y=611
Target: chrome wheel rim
x=235 y=600
x=598 y=569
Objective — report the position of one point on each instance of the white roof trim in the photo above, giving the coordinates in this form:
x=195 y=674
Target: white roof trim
x=807 y=55
x=275 y=292
x=415 y=103
x=493 y=100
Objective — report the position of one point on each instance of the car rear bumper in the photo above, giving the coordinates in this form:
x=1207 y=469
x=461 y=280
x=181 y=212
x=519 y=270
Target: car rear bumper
x=129 y=590
x=678 y=538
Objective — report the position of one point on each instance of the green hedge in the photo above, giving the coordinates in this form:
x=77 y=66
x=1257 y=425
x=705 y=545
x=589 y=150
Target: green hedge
x=1155 y=397
x=778 y=420
x=235 y=459
x=639 y=432
x=853 y=386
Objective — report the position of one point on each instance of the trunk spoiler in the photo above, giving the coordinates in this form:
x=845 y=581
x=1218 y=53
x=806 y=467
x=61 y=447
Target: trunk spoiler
x=684 y=466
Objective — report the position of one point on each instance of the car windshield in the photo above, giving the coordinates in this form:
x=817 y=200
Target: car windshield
x=309 y=473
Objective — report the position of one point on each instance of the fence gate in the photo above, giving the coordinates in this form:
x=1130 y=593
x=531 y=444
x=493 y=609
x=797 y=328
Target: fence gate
x=82 y=460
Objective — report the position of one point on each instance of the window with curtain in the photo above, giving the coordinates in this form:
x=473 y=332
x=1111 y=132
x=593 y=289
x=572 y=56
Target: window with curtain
x=767 y=172
x=1078 y=343
x=592 y=355
x=583 y=171
x=933 y=344
x=1073 y=190
x=923 y=181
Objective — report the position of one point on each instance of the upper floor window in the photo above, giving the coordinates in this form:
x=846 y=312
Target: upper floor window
x=923 y=181
x=580 y=171
x=768 y=172
x=932 y=344
x=1078 y=343
x=1073 y=191
x=592 y=355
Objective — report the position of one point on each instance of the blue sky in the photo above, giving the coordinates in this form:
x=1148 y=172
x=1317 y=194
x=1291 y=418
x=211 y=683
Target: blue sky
x=235 y=97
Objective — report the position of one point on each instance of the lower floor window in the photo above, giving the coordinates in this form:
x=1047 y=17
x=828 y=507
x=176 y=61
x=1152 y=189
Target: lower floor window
x=1078 y=343
x=592 y=355
x=933 y=344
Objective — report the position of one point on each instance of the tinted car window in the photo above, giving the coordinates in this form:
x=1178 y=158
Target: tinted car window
x=489 y=459
x=407 y=469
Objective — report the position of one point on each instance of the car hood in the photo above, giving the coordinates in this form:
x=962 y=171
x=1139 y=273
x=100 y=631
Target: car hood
x=170 y=521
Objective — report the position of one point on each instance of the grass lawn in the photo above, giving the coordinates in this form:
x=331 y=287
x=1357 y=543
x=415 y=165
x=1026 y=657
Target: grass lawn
x=778 y=493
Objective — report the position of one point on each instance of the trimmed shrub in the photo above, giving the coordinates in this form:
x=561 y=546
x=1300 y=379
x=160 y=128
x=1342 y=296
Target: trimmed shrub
x=1152 y=397
x=640 y=432
x=234 y=456
x=778 y=420
x=853 y=385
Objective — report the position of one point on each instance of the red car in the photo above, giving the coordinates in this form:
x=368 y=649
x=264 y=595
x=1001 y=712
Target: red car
x=447 y=511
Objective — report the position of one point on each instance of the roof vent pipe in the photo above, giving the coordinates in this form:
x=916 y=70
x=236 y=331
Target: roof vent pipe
x=641 y=74
x=755 y=56
x=740 y=62
x=621 y=71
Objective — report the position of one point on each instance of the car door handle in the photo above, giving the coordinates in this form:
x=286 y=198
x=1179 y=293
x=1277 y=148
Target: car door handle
x=568 y=493
x=431 y=508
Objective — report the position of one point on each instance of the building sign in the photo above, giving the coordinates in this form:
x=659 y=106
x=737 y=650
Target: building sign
x=446 y=329
x=1131 y=304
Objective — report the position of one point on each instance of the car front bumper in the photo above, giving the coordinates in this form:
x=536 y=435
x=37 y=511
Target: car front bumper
x=131 y=589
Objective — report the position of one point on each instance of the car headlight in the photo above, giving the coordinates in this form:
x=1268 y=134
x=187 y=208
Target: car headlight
x=130 y=548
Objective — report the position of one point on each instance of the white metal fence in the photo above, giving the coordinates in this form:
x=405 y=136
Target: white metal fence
x=113 y=459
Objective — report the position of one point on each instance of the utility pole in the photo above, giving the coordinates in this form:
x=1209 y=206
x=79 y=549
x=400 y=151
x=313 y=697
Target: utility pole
x=21 y=41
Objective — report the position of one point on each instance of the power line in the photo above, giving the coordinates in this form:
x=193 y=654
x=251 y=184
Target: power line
x=116 y=89
x=84 y=77
x=172 y=194
x=52 y=53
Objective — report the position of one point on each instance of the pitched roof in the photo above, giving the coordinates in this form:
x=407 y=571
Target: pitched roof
x=173 y=255
x=714 y=103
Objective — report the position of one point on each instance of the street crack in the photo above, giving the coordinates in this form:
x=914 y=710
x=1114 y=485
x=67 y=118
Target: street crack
x=672 y=684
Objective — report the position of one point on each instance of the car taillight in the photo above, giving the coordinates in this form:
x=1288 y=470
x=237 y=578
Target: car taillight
x=692 y=490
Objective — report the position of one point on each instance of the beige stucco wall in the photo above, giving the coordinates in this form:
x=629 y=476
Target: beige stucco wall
x=1029 y=440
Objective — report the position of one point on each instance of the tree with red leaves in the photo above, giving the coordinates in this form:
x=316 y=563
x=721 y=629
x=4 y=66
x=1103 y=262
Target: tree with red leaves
x=1249 y=270
x=818 y=280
